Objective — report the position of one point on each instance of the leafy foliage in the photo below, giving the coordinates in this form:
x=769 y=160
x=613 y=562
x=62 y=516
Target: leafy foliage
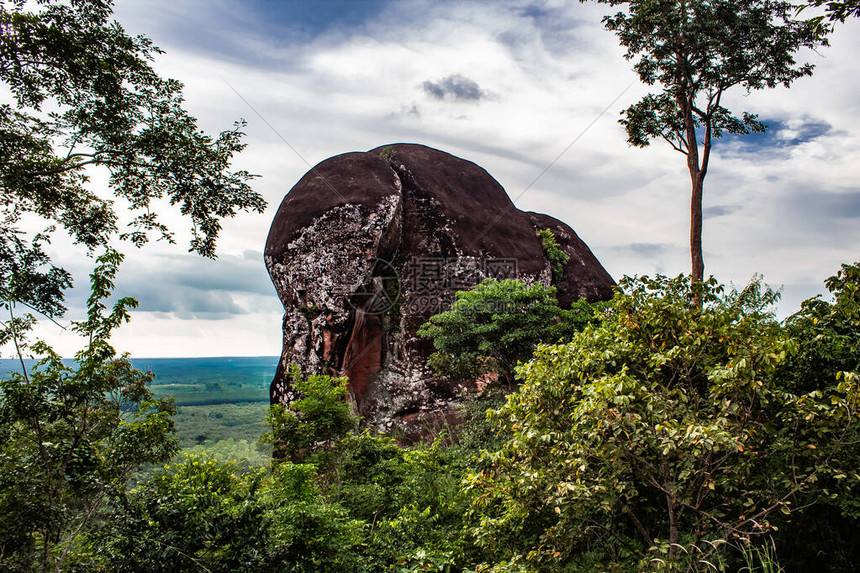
x=71 y=438
x=427 y=532
x=320 y=415
x=201 y=514
x=557 y=258
x=86 y=95
x=698 y=50
x=363 y=504
x=306 y=532
x=497 y=324
x=652 y=438
x=663 y=436
x=828 y=337
x=827 y=334
x=196 y=515
x=838 y=11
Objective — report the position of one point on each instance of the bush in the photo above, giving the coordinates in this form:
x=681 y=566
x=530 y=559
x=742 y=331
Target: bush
x=657 y=435
x=497 y=324
x=319 y=415
x=197 y=514
x=558 y=259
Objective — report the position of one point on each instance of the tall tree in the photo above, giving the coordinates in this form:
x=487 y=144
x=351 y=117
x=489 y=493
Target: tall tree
x=694 y=51
x=80 y=93
x=84 y=94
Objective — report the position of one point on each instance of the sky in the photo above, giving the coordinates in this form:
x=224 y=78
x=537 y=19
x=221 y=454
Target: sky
x=514 y=86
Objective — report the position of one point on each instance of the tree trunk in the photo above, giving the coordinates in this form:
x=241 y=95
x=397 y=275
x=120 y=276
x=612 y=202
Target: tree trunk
x=671 y=507
x=697 y=178
x=673 y=526
x=698 y=262
x=641 y=528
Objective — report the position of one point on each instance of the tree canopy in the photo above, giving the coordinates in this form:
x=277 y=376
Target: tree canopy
x=85 y=94
x=72 y=437
x=839 y=11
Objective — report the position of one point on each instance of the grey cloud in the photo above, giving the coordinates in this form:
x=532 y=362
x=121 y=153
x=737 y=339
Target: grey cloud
x=511 y=39
x=261 y=34
x=187 y=304
x=405 y=112
x=193 y=288
x=778 y=140
x=456 y=143
x=539 y=29
x=229 y=277
x=455 y=87
x=646 y=250
x=810 y=129
x=558 y=27
x=811 y=219
x=720 y=211
x=251 y=255
x=825 y=205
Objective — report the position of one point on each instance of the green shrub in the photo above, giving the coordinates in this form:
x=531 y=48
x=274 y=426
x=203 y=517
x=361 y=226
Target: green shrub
x=305 y=532
x=198 y=514
x=557 y=258
x=321 y=415
x=497 y=324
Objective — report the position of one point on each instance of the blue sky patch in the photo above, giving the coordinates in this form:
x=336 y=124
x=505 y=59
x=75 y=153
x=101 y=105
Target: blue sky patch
x=313 y=18
x=779 y=135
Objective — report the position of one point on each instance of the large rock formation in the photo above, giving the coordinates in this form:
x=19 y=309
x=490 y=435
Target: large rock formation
x=367 y=246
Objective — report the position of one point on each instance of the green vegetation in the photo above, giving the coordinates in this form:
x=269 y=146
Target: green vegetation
x=837 y=11
x=108 y=109
x=320 y=415
x=355 y=502
x=196 y=515
x=664 y=432
x=678 y=427
x=72 y=438
x=213 y=394
x=661 y=435
x=387 y=153
x=86 y=96
x=309 y=312
x=492 y=327
x=197 y=425
x=557 y=258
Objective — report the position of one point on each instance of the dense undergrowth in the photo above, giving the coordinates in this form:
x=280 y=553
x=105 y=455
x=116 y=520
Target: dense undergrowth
x=658 y=435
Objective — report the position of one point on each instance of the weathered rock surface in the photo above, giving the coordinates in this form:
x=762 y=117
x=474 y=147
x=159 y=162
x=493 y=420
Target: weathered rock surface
x=367 y=246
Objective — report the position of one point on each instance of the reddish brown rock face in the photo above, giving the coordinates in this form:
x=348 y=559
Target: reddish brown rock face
x=367 y=246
